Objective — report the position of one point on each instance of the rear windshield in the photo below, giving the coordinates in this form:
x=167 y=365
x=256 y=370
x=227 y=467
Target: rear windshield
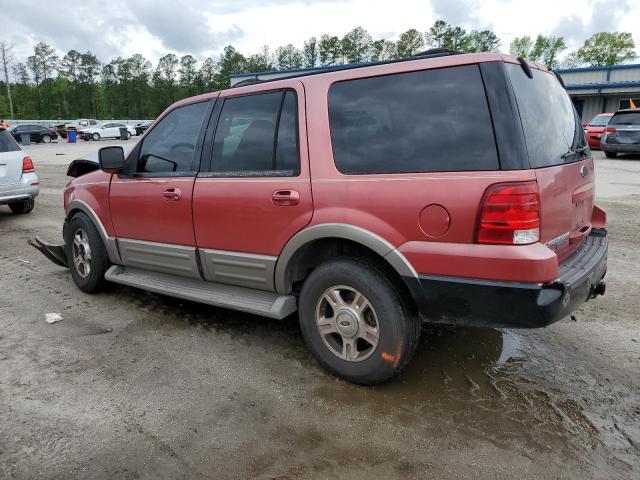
x=7 y=143
x=599 y=121
x=625 y=119
x=426 y=121
x=552 y=129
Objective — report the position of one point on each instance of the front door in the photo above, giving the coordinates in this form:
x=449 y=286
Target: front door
x=151 y=206
x=256 y=193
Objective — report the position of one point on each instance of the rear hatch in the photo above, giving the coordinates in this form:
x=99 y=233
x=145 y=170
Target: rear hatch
x=10 y=159
x=560 y=157
x=624 y=128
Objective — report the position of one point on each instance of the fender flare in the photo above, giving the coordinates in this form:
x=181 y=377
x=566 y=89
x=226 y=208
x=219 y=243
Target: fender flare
x=110 y=243
x=348 y=232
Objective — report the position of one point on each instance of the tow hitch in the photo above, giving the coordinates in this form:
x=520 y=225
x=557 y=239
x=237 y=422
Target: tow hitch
x=55 y=253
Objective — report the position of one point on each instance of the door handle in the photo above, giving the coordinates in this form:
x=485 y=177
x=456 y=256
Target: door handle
x=285 y=198
x=172 y=194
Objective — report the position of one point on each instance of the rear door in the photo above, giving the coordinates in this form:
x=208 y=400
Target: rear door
x=10 y=159
x=256 y=193
x=560 y=157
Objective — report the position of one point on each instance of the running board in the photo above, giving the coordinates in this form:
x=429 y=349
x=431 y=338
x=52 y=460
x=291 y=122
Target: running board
x=258 y=302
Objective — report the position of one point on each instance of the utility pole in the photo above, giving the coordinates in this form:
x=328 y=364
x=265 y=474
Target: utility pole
x=6 y=58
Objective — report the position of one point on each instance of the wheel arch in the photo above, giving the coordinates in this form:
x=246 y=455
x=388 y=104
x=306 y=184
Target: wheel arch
x=110 y=244
x=315 y=245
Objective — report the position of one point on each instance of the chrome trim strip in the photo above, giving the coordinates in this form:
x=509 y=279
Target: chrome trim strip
x=177 y=260
x=339 y=230
x=109 y=242
x=238 y=268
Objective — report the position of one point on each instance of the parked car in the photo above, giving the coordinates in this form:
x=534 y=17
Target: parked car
x=622 y=134
x=19 y=184
x=37 y=133
x=595 y=128
x=81 y=123
x=106 y=130
x=366 y=198
x=142 y=127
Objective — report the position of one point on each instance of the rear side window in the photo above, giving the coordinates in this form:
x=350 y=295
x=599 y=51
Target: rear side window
x=552 y=128
x=7 y=143
x=625 y=119
x=170 y=146
x=258 y=134
x=427 y=121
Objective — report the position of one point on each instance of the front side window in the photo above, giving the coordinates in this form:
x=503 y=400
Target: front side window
x=170 y=146
x=426 y=121
x=257 y=134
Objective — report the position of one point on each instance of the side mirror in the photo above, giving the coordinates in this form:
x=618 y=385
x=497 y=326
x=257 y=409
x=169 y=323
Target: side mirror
x=111 y=159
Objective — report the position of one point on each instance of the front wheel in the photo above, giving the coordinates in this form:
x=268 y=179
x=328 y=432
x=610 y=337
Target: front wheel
x=611 y=154
x=356 y=323
x=46 y=139
x=87 y=255
x=25 y=206
x=96 y=136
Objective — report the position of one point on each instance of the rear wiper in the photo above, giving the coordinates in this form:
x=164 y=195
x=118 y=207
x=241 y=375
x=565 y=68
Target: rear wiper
x=570 y=152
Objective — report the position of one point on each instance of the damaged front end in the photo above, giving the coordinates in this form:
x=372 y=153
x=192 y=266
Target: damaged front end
x=56 y=253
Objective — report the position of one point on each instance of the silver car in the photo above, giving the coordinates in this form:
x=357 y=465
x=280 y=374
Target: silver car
x=19 y=184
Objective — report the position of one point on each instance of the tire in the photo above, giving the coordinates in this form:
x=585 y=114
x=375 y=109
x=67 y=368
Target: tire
x=95 y=136
x=20 y=208
x=80 y=233
x=45 y=139
x=611 y=154
x=361 y=359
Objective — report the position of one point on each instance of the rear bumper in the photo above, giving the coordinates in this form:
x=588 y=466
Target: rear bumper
x=620 y=147
x=23 y=190
x=488 y=303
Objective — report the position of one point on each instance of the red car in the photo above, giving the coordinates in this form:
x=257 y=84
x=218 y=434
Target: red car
x=595 y=128
x=446 y=188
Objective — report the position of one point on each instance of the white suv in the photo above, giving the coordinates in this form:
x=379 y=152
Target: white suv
x=19 y=184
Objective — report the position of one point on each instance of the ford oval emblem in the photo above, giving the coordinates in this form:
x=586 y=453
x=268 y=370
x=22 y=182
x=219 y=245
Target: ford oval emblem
x=584 y=171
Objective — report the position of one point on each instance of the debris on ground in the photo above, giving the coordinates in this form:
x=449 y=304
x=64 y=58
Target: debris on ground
x=52 y=317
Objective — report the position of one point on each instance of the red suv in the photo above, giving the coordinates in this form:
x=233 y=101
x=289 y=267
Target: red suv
x=455 y=189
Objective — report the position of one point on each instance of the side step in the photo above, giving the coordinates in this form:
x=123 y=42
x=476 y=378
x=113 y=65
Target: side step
x=258 y=302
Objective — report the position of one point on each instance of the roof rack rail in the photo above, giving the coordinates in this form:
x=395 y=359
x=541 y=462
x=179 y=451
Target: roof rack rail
x=431 y=53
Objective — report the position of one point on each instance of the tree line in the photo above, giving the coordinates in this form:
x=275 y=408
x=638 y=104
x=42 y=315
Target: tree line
x=77 y=84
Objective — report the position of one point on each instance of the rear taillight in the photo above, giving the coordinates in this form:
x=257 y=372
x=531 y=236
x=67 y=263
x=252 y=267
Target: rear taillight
x=510 y=214
x=610 y=130
x=27 y=165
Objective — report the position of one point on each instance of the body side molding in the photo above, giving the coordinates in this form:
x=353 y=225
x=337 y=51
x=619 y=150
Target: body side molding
x=348 y=232
x=110 y=243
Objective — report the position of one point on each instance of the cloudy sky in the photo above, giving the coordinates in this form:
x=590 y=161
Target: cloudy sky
x=203 y=27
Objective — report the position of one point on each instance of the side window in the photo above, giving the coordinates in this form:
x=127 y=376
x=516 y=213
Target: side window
x=170 y=146
x=257 y=134
x=427 y=121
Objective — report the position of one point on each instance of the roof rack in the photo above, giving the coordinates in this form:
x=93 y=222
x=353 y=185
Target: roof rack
x=431 y=53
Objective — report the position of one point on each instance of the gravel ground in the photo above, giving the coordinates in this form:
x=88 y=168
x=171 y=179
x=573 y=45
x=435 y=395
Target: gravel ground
x=136 y=385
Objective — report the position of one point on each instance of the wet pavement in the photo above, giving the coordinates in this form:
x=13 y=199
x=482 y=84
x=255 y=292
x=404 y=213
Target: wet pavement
x=136 y=385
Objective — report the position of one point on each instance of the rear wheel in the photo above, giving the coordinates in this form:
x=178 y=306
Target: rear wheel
x=46 y=139
x=96 y=136
x=611 y=154
x=87 y=255
x=356 y=323
x=22 y=207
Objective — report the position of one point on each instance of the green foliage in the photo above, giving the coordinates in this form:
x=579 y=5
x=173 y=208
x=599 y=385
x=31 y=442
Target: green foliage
x=606 y=48
x=543 y=50
x=78 y=85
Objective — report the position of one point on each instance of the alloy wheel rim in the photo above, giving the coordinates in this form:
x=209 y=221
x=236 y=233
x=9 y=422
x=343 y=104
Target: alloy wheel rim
x=347 y=323
x=81 y=253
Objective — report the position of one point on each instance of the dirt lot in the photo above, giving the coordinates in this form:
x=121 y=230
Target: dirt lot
x=136 y=385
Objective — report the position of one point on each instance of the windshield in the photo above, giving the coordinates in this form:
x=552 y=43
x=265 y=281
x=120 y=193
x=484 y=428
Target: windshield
x=600 y=121
x=625 y=119
x=552 y=129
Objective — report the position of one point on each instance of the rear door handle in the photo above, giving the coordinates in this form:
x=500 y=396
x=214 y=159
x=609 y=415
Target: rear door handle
x=172 y=194
x=285 y=198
